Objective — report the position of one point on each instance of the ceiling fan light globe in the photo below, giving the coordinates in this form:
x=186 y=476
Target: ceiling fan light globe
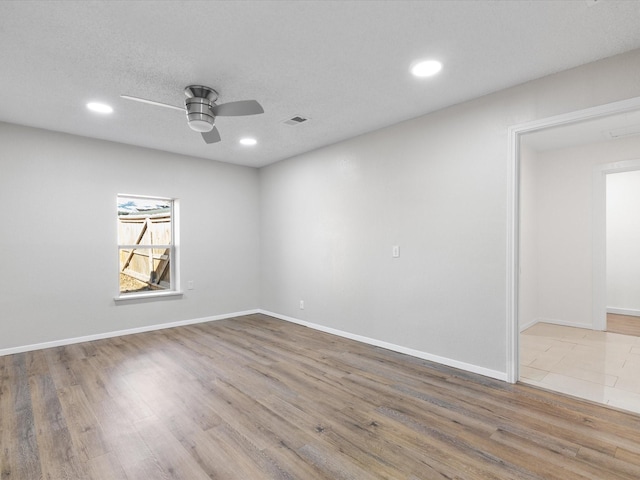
x=200 y=125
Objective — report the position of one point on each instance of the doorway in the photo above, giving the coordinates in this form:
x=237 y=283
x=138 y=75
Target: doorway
x=514 y=259
x=623 y=251
x=562 y=345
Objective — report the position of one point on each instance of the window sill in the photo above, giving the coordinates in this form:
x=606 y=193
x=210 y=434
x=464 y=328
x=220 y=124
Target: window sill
x=146 y=296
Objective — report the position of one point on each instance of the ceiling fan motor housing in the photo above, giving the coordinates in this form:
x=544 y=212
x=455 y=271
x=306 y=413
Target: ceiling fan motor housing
x=199 y=105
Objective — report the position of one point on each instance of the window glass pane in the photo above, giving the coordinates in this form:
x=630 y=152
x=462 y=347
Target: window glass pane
x=144 y=244
x=144 y=221
x=144 y=269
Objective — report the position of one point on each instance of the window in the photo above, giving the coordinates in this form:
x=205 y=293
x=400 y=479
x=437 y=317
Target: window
x=146 y=246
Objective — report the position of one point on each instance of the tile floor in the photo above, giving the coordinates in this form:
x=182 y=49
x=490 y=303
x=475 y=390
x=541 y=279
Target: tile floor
x=599 y=366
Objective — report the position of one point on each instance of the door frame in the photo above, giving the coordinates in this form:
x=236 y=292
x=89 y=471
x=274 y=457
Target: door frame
x=513 y=220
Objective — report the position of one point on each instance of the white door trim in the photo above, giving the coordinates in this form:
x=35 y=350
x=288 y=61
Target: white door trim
x=513 y=211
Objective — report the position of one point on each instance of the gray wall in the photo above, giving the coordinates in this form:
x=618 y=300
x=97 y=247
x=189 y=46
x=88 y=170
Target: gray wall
x=436 y=186
x=59 y=256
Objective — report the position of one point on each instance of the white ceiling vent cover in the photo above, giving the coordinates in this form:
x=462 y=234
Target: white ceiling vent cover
x=623 y=132
x=296 y=120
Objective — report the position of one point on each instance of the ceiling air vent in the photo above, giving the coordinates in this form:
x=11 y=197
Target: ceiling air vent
x=623 y=132
x=296 y=120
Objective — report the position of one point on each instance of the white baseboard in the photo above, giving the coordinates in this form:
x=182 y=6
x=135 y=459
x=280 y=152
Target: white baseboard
x=564 y=323
x=119 y=333
x=624 y=311
x=371 y=341
x=396 y=348
x=529 y=324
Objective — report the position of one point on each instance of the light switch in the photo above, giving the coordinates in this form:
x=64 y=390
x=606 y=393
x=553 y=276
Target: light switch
x=395 y=251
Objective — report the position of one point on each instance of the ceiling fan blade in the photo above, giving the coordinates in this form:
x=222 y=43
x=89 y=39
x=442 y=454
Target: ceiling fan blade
x=212 y=136
x=234 y=109
x=151 y=102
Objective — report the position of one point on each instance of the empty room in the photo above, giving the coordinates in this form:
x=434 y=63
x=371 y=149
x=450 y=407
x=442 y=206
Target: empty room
x=319 y=239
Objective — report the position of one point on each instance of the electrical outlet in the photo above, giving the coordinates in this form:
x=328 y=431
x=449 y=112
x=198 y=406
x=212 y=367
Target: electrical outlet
x=190 y=285
x=301 y=304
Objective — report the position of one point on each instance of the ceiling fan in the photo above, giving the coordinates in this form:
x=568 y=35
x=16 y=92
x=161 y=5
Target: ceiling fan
x=202 y=110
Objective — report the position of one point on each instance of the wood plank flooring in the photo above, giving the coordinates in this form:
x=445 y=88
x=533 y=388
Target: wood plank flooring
x=257 y=398
x=623 y=324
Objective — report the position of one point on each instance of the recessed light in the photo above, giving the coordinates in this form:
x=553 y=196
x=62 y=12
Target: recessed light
x=248 y=141
x=99 y=107
x=426 y=68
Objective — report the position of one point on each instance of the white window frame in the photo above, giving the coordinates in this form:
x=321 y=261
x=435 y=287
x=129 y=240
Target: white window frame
x=174 y=287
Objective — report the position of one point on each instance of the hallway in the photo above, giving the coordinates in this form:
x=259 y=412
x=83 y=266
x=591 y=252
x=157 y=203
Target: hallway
x=599 y=366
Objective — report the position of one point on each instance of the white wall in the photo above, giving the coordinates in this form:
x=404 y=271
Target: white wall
x=436 y=186
x=558 y=192
x=58 y=243
x=623 y=242
x=528 y=280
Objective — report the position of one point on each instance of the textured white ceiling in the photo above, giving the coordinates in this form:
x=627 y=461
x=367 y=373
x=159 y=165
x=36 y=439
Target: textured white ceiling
x=342 y=64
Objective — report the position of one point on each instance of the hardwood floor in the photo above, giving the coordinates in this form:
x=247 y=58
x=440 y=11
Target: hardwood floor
x=258 y=398
x=623 y=324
